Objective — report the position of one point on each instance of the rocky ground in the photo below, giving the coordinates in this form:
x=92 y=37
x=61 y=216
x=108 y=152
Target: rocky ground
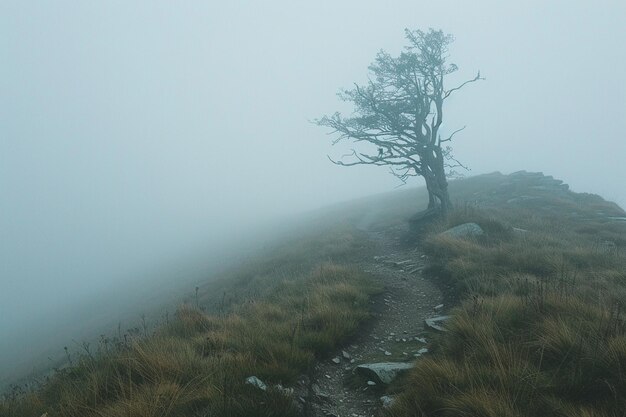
x=396 y=335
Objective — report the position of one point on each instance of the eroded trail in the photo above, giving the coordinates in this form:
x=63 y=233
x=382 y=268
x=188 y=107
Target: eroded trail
x=396 y=334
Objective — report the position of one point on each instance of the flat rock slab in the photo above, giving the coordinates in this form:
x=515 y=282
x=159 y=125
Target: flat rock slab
x=436 y=323
x=464 y=230
x=383 y=372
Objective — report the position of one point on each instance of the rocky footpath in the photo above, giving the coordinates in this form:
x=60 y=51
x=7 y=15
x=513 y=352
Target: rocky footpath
x=351 y=383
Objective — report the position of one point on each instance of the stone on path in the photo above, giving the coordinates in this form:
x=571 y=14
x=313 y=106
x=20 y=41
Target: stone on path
x=256 y=382
x=284 y=390
x=387 y=401
x=383 y=372
x=436 y=323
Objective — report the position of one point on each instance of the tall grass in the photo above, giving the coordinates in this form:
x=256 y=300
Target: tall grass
x=541 y=330
x=198 y=362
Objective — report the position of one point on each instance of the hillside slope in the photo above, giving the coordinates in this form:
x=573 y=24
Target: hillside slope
x=537 y=328
x=540 y=330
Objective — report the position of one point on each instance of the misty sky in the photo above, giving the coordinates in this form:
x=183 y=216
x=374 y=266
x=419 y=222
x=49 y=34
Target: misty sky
x=131 y=131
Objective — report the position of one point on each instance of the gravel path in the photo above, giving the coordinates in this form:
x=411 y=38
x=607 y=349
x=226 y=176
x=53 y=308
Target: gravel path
x=396 y=334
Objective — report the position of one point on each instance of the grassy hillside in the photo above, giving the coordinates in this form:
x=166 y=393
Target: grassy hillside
x=538 y=328
x=270 y=318
x=541 y=329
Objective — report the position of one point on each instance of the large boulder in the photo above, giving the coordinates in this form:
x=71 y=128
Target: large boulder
x=464 y=230
x=383 y=372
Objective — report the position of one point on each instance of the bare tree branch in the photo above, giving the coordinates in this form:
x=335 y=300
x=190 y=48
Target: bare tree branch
x=477 y=78
x=399 y=111
x=449 y=138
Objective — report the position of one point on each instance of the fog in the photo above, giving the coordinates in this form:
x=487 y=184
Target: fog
x=137 y=136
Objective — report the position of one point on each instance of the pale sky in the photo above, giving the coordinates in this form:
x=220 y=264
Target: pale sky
x=132 y=130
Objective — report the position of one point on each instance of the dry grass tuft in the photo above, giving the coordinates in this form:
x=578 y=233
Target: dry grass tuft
x=542 y=328
x=197 y=363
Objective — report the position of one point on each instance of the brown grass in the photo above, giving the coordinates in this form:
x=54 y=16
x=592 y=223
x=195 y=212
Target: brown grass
x=541 y=330
x=198 y=362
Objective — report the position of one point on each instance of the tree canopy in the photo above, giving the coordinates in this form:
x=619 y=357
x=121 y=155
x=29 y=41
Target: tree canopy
x=400 y=112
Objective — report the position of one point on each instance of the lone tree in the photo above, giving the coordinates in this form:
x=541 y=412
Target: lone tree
x=399 y=113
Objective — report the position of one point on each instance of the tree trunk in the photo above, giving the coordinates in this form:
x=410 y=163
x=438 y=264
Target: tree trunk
x=432 y=200
x=435 y=195
x=436 y=183
x=446 y=204
x=442 y=199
